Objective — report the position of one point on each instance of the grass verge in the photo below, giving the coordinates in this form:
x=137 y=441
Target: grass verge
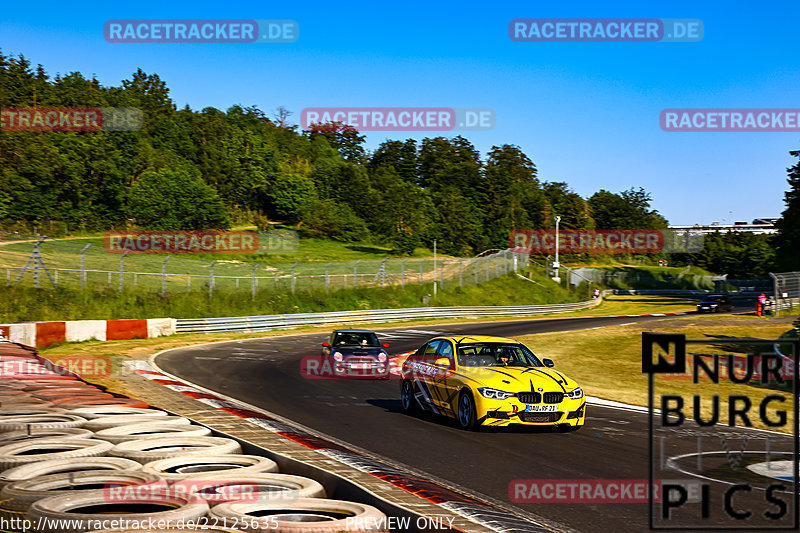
x=22 y=304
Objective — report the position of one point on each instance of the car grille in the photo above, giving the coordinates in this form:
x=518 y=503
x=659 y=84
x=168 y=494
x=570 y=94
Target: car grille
x=539 y=417
x=360 y=360
x=553 y=397
x=529 y=397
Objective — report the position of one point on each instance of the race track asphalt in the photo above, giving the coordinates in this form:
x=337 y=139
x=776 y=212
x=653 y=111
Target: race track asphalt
x=366 y=413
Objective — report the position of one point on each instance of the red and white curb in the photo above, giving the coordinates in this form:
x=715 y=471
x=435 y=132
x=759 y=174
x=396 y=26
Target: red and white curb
x=43 y=334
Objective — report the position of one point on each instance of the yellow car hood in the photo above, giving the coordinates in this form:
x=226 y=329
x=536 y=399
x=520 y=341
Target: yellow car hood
x=518 y=379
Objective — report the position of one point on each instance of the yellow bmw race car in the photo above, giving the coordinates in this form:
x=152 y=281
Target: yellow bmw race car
x=490 y=381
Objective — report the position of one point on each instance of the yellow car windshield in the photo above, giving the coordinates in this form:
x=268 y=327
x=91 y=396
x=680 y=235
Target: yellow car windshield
x=496 y=354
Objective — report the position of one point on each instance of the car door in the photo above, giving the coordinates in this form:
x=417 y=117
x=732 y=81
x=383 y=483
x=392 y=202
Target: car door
x=446 y=381
x=423 y=371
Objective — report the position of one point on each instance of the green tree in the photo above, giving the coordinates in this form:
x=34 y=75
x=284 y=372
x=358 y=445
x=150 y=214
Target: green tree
x=175 y=200
x=789 y=223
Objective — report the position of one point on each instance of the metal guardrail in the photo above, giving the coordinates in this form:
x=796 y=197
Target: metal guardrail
x=269 y=322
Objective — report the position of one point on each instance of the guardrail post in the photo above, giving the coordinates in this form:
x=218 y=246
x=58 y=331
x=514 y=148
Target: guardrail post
x=461 y=272
x=421 y=263
x=211 y=278
x=355 y=274
x=327 y=281
x=253 y=283
x=164 y=275
x=122 y=268
x=403 y=272
x=293 y=276
x=83 y=266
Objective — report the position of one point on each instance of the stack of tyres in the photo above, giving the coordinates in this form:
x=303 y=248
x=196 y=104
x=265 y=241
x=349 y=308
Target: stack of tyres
x=68 y=447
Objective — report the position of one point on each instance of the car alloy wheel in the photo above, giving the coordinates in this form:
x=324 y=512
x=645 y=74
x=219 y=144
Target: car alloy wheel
x=466 y=411
x=407 y=397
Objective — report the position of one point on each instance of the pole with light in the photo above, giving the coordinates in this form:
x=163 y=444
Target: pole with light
x=556 y=265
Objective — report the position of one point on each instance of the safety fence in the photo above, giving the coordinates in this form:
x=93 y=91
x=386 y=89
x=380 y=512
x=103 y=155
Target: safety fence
x=786 y=287
x=74 y=264
x=269 y=322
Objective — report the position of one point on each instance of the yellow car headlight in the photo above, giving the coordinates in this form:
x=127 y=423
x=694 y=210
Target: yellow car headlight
x=574 y=394
x=494 y=394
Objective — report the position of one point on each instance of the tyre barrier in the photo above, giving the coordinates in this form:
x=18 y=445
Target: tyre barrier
x=58 y=466
x=76 y=403
x=101 y=411
x=37 y=433
x=49 y=384
x=208 y=466
x=230 y=488
x=40 y=421
x=24 y=403
x=18 y=496
x=100 y=423
x=150 y=430
x=148 y=450
x=24 y=411
x=305 y=515
x=70 y=392
x=33 y=450
x=198 y=471
x=86 y=509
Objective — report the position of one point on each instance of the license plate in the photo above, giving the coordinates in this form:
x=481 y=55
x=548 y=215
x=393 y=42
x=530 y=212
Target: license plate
x=360 y=366
x=541 y=408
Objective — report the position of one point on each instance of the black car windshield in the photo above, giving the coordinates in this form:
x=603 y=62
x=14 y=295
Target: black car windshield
x=715 y=298
x=496 y=354
x=355 y=338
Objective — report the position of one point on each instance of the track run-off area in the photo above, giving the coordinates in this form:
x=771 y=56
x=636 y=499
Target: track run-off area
x=613 y=445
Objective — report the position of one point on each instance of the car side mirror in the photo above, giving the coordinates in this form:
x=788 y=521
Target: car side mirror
x=385 y=344
x=326 y=344
x=443 y=361
x=548 y=363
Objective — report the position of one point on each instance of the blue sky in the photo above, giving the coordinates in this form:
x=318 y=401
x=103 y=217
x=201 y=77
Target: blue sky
x=586 y=113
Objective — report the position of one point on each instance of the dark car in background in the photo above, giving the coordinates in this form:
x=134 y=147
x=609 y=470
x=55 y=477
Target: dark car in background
x=714 y=303
x=357 y=353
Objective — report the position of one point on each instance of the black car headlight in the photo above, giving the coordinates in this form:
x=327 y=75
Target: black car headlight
x=574 y=394
x=494 y=394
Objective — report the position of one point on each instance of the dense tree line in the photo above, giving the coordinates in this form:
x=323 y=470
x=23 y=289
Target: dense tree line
x=210 y=169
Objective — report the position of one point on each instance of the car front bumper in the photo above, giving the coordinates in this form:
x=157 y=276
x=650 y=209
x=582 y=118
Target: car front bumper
x=512 y=411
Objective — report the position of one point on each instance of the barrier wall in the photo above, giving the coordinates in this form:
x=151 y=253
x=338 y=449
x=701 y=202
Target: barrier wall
x=43 y=334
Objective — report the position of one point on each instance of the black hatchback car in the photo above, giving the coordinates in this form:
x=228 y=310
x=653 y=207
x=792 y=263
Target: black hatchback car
x=357 y=353
x=714 y=303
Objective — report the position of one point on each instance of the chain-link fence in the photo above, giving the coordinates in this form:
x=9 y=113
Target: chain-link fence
x=643 y=279
x=74 y=264
x=786 y=287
